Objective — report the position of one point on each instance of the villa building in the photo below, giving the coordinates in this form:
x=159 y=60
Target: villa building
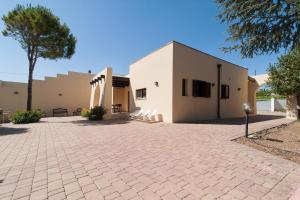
x=181 y=83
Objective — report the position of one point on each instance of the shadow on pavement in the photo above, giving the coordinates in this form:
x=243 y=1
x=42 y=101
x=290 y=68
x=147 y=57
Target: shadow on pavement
x=100 y=123
x=240 y=121
x=11 y=131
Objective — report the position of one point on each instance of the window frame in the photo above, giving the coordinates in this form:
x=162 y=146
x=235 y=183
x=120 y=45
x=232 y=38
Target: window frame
x=141 y=93
x=201 y=89
x=225 y=88
x=184 y=91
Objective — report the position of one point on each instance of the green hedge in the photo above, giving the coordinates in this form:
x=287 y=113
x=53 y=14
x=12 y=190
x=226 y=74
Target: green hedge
x=97 y=113
x=25 y=117
x=85 y=113
x=269 y=97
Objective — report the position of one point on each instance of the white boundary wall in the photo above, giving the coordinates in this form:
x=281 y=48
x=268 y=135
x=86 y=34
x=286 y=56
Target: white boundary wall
x=271 y=105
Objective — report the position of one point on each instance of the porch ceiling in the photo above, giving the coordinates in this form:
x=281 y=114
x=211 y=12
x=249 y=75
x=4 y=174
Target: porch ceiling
x=118 y=81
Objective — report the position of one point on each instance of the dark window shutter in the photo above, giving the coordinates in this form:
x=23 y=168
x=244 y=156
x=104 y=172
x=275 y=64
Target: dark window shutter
x=183 y=91
x=208 y=91
x=195 y=88
x=225 y=91
x=201 y=89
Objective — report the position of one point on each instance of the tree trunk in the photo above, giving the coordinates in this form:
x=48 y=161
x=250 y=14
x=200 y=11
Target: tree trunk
x=292 y=107
x=29 y=87
x=298 y=105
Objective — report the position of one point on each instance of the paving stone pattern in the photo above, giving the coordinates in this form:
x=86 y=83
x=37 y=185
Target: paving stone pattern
x=70 y=158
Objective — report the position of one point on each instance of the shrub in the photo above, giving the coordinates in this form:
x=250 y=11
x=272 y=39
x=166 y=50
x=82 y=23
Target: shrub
x=85 y=113
x=97 y=113
x=25 y=117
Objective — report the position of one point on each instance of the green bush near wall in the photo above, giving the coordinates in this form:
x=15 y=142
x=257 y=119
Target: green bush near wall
x=97 y=113
x=267 y=94
x=25 y=117
x=85 y=113
x=269 y=97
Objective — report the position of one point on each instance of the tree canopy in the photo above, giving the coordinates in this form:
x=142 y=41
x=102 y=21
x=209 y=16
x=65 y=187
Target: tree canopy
x=260 y=27
x=40 y=34
x=285 y=74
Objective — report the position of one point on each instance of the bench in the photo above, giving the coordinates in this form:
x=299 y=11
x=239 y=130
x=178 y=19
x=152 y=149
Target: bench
x=60 y=111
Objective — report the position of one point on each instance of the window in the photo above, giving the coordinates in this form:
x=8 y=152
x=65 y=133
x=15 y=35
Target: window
x=224 y=91
x=141 y=93
x=201 y=89
x=184 y=87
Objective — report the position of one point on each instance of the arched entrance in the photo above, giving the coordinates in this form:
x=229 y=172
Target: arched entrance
x=96 y=100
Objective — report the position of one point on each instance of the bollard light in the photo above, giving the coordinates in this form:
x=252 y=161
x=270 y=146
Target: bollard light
x=247 y=110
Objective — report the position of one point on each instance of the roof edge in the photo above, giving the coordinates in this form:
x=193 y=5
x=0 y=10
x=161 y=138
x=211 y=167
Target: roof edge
x=208 y=54
x=173 y=41
x=152 y=52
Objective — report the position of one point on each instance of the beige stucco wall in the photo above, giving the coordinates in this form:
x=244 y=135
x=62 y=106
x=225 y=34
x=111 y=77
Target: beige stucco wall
x=191 y=64
x=74 y=87
x=104 y=88
x=174 y=62
x=155 y=67
x=10 y=101
x=235 y=77
x=120 y=96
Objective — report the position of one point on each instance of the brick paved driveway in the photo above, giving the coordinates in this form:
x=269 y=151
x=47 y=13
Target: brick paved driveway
x=68 y=158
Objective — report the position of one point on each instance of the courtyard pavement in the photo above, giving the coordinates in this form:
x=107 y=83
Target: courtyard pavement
x=70 y=158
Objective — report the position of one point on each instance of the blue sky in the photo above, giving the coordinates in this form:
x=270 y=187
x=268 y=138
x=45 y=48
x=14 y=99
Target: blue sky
x=116 y=33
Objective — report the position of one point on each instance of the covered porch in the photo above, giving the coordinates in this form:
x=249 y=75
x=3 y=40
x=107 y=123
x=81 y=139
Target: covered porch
x=111 y=92
x=120 y=94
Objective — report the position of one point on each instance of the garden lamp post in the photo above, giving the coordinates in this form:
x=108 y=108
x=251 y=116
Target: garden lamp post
x=247 y=110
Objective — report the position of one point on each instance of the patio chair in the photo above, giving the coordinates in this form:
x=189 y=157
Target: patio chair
x=143 y=115
x=119 y=107
x=113 y=108
x=136 y=114
x=151 y=115
x=5 y=116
